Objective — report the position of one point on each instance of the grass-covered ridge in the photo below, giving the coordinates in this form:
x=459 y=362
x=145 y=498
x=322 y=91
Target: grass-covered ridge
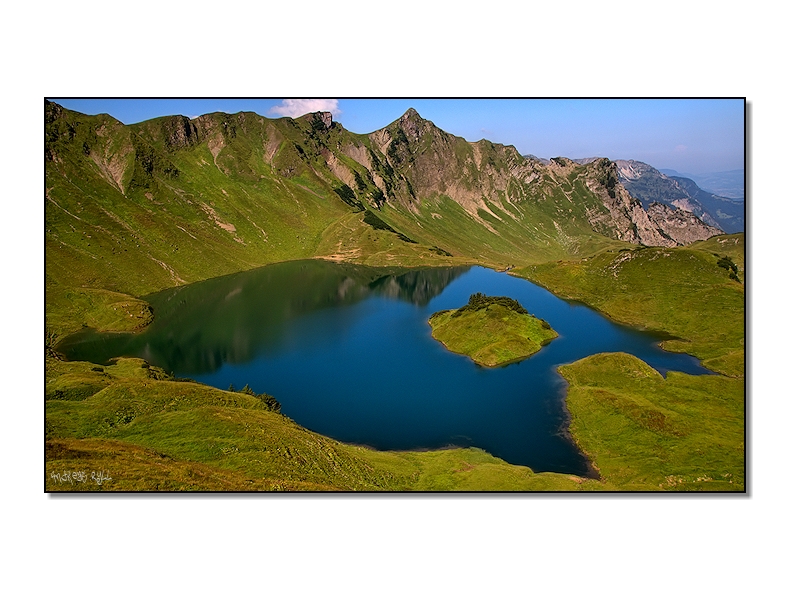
x=492 y=331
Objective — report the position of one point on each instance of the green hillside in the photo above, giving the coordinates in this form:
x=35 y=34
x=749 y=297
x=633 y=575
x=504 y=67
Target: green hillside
x=646 y=432
x=683 y=292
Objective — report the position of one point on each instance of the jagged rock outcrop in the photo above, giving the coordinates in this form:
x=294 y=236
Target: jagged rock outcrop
x=179 y=132
x=628 y=220
x=682 y=227
x=324 y=117
x=650 y=185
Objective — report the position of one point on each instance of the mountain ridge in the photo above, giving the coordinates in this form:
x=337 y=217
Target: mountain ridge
x=651 y=185
x=141 y=207
x=727 y=183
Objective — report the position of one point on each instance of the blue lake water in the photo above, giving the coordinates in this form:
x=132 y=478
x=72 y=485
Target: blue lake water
x=348 y=352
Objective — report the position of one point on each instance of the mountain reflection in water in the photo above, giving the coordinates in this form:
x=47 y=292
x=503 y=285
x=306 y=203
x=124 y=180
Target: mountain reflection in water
x=232 y=319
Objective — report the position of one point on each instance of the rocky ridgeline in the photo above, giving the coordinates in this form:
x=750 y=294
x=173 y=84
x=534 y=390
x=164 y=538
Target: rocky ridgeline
x=652 y=186
x=400 y=166
x=627 y=219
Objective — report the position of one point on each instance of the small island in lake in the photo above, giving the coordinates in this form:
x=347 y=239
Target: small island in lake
x=492 y=331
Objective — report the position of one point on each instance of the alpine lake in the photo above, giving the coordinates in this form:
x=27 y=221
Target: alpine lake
x=348 y=352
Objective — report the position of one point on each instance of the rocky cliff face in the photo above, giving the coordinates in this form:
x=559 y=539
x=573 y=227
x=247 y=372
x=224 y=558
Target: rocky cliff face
x=650 y=185
x=682 y=227
x=433 y=162
x=179 y=132
x=628 y=220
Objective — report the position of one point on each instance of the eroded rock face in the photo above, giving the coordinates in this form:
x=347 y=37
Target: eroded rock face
x=681 y=226
x=326 y=118
x=180 y=132
x=628 y=220
x=650 y=185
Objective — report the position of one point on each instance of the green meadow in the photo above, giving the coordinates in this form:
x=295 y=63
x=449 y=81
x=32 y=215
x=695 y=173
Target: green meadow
x=646 y=432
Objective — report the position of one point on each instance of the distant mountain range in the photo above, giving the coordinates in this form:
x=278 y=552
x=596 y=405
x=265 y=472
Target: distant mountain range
x=650 y=185
x=728 y=184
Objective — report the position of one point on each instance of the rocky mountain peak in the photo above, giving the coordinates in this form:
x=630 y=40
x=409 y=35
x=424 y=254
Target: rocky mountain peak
x=413 y=125
x=318 y=118
x=325 y=117
x=411 y=113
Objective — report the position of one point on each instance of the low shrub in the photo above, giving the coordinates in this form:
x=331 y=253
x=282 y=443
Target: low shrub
x=479 y=301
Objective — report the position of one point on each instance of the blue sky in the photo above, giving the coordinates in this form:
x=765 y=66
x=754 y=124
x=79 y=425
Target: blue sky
x=688 y=135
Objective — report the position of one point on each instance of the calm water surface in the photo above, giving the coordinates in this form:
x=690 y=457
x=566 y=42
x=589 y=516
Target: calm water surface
x=348 y=352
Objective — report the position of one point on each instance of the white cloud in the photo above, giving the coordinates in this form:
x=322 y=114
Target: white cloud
x=296 y=107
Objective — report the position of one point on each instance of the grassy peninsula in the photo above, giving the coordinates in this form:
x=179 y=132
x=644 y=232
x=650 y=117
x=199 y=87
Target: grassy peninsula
x=646 y=432
x=492 y=331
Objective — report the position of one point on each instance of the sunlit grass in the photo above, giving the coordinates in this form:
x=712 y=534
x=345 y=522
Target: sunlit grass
x=491 y=336
x=679 y=291
x=644 y=432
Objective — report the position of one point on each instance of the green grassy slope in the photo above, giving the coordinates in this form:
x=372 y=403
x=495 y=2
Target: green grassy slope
x=680 y=291
x=644 y=432
x=174 y=216
x=148 y=432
